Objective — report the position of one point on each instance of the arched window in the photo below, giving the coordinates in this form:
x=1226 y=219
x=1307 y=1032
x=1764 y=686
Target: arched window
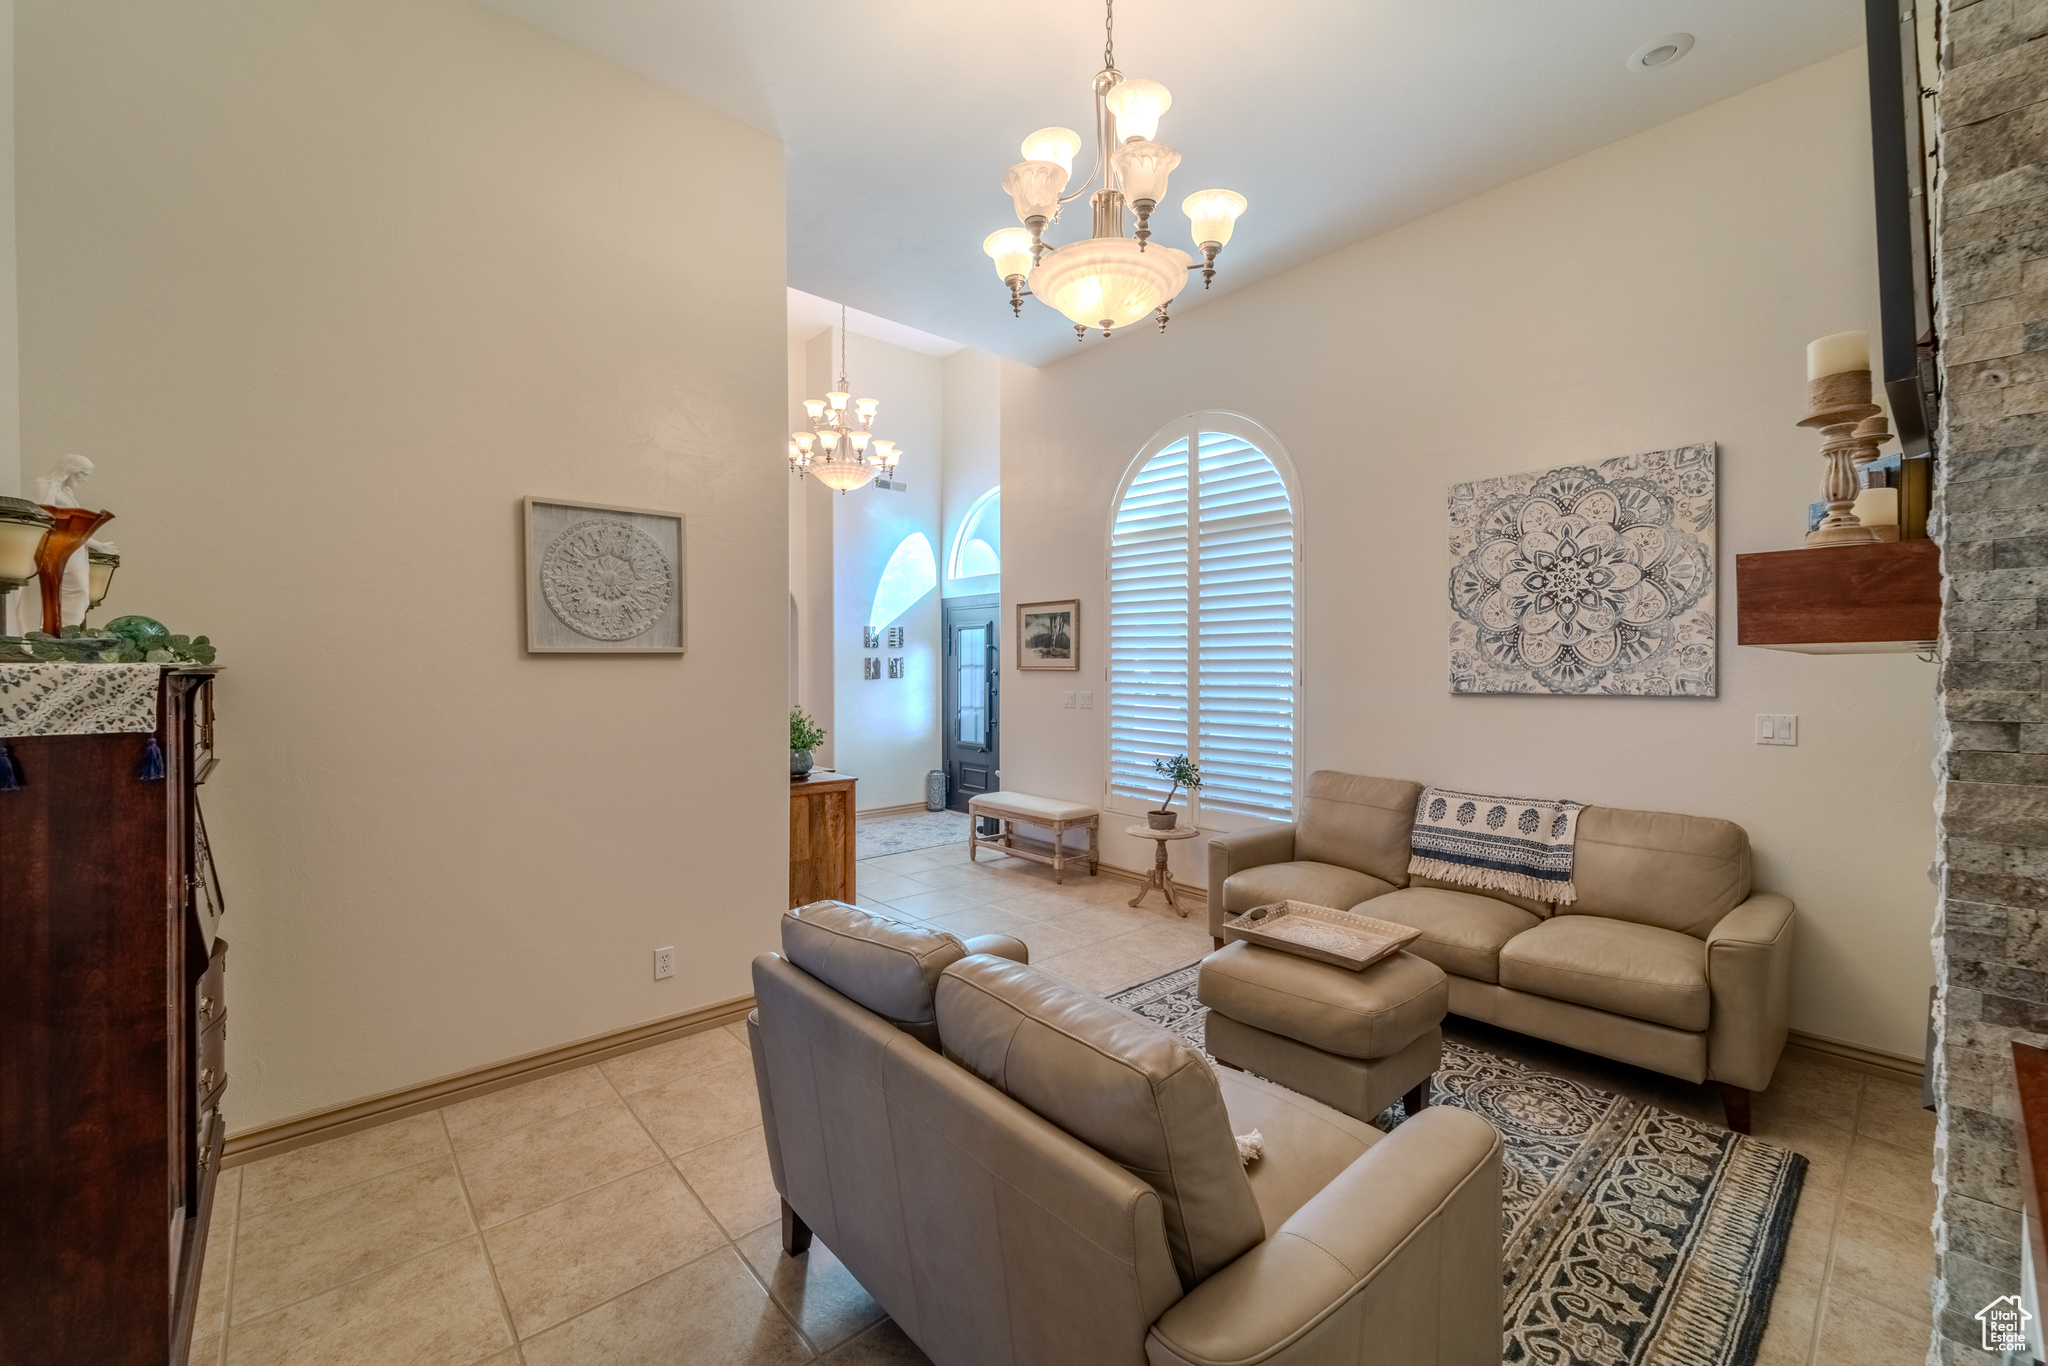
x=1204 y=621
x=978 y=548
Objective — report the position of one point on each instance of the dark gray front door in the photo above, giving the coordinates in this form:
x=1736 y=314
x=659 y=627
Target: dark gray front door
x=973 y=670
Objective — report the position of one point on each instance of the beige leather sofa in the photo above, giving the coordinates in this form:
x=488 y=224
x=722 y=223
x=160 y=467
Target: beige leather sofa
x=1060 y=1186
x=1668 y=959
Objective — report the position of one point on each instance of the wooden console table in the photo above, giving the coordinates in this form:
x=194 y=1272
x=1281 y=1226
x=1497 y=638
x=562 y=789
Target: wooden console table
x=820 y=837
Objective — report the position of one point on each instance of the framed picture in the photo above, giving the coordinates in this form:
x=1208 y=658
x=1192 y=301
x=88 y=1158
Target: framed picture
x=1049 y=635
x=603 y=580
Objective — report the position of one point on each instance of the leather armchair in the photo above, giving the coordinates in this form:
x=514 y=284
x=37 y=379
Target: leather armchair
x=1234 y=853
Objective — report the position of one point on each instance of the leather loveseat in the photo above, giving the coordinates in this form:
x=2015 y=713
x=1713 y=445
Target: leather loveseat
x=1020 y=1172
x=1668 y=958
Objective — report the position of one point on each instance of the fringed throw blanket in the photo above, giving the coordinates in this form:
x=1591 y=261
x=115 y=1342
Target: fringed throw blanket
x=1516 y=845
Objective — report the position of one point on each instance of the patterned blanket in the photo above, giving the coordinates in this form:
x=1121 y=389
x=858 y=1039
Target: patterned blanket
x=1518 y=845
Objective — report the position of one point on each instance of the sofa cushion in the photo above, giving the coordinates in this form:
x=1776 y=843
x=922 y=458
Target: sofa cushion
x=887 y=966
x=1120 y=1084
x=1635 y=970
x=1320 y=884
x=1539 y=909
x=1655 y=868
x=1462 y=932
x=1357 y=822
x=1373 y=1013
x=1306 y=1142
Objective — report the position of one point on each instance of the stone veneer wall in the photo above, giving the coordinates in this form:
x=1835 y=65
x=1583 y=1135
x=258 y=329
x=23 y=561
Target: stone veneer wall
x=1991 y=237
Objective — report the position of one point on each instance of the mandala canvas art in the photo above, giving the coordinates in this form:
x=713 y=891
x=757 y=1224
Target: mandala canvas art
x=1590 y=579
x=603 y=578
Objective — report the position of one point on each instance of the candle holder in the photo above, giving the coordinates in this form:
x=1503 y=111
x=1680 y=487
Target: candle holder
x=1838 y=403
x=73 y=527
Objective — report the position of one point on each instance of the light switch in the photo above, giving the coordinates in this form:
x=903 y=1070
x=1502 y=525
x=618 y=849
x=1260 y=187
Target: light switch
x=1087 y=701
x=1777 y=730
x=1067 y=700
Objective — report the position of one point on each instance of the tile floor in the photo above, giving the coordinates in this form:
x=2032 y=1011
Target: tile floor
x=621 y=1214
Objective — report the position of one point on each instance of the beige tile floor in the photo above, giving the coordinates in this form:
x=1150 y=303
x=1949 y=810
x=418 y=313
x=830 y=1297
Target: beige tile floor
x=621 y=1214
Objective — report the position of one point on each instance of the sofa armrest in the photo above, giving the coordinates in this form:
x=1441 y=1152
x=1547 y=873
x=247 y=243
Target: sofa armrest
x=1001 y=945
x=1233 y=853
x=1749 y=973
x=1401 y=1251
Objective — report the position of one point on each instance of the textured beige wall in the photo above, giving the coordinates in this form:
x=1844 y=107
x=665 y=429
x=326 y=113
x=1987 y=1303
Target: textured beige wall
x=1656 y=292
x=326 y=287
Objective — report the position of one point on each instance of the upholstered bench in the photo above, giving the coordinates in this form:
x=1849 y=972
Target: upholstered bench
x=1047 y=811
x=1356 y=1041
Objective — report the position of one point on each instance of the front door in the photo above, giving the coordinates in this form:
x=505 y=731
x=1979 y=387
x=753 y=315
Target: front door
x=973 y=657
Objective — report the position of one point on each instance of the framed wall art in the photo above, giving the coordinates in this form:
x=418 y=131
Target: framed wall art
x=1587 y=579
x=603 y=580
x=1049 y=635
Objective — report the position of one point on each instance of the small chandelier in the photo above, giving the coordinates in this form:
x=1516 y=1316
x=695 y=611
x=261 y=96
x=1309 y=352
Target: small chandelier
x=841 y=454
x=1108 y=280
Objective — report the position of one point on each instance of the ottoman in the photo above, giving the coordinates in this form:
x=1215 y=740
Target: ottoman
x=1356 y=1041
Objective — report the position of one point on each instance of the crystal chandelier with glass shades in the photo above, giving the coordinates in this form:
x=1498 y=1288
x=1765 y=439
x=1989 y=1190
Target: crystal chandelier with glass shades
x=1107 y=280
x=838 y=448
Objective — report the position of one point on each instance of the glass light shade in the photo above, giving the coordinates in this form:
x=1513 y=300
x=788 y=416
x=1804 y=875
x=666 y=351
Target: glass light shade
x=815 y=407
x=1034 y=188
x=889 y=459
x=860 y=442
x=887 y=450
x=804 y=441
x=830 y=440
x=1053 y=144
x=1107 y=281
x=1212 y=214
x=22 y=528
x=1137 y=106
x=1144 y=166
x=843 y=475
x=837 y=398
x=1010 y=249
x=866 y=406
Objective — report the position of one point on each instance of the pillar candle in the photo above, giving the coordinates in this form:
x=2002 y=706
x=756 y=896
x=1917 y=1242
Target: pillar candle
x=1838 y=354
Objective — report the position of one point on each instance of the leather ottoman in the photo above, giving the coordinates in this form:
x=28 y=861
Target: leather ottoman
x=1356 y=1041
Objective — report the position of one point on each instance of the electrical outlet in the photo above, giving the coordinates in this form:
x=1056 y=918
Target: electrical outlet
x=664 y=962
x=1067 y=700
x=1777 y=730
x=1087 y=701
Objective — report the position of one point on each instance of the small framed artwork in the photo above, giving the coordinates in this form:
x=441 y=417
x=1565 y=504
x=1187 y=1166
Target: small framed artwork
x=870 y=638
x=895 y=637
x=871 y=669
x=603 y=579
x=1049 y=635
x=896 y=666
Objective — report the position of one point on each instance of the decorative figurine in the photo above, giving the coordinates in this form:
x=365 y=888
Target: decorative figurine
x=67 y=574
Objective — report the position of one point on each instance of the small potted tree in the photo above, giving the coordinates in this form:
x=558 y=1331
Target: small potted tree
x=1184 y=775
x=805 y=735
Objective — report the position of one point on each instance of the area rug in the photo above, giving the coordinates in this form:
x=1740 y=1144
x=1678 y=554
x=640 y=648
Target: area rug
x=904 y=834
x=1631 y=1236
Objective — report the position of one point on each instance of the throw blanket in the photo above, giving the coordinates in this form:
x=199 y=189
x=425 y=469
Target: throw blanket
x=1518 y=845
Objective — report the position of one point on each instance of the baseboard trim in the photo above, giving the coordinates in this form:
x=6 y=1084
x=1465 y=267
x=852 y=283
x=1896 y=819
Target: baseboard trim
x=908 y=809
x=1854 y=1056
x=317 y=1126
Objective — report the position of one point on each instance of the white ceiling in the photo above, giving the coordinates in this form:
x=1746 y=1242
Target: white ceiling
x=1337 y=119
x=809 y=315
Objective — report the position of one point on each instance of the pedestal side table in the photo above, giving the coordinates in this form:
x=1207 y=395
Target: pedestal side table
x=1158 y=876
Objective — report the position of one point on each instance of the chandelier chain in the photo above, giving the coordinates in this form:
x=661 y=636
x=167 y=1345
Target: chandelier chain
x=1108 y=35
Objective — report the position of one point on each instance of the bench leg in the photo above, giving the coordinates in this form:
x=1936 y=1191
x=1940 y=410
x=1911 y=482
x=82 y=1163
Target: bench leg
x=973 y=839
x=1735 y=1100
x=1059 y=853
x=1417 y=1099
x=1094 y=845
x=796 y=1234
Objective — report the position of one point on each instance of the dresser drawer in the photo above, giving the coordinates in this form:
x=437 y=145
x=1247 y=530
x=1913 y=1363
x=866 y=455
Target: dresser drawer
x=213 y=1062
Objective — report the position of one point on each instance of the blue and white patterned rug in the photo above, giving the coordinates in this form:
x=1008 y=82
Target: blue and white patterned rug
x=905 y=834
x=1631 y=1236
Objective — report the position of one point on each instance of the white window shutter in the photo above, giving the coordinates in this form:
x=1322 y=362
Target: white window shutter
x=1148 y=624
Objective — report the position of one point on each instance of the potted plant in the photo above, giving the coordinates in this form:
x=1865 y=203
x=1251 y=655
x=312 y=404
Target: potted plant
x=805 y=735
x=1184 y=775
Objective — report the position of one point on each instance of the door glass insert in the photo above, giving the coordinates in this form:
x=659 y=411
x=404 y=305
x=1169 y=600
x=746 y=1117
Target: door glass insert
x=970 y=650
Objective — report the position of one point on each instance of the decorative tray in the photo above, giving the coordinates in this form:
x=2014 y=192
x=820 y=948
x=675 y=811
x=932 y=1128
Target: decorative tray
x=1323 y=933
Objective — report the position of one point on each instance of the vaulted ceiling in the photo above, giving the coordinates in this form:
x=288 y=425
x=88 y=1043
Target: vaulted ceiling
x=1337 y=119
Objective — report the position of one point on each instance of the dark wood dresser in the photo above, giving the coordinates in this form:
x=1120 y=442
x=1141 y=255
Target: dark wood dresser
x=112 y=1026
x=821 y=837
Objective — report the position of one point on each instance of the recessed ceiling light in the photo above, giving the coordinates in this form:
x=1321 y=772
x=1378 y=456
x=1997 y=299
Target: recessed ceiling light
x=1660 y=52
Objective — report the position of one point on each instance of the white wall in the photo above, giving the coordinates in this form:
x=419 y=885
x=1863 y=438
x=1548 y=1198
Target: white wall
x=325 y=288
x=1655 y=292
x=974 y=445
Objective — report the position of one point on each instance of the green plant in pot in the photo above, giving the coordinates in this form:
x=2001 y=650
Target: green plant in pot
x=1184 y=775
x=805 y=735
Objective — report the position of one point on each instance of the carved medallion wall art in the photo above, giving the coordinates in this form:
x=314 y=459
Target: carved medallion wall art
x=603 y=579
x=1589 y=579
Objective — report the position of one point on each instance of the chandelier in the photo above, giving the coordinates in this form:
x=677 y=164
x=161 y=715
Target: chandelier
x=1107 y=280
x=841 y=454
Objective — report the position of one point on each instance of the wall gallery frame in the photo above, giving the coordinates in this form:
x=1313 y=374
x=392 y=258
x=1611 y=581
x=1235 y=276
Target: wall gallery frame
x=604 y=580
x=1049 y=635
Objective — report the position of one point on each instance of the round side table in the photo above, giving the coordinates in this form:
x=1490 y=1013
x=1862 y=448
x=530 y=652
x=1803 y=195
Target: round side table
x=1157 y=877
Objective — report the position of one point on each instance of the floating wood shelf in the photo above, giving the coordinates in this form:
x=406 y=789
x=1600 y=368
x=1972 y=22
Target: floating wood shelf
x=1844 y=599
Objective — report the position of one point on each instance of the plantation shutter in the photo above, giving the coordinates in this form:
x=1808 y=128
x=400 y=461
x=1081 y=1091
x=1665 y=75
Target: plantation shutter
x=1245 y=630
x=1148 y=623
x=1202 y=646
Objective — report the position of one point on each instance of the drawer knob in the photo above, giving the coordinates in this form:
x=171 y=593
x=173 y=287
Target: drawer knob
x=205 y=1157
x=206 y=1075
x=206 y=1006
